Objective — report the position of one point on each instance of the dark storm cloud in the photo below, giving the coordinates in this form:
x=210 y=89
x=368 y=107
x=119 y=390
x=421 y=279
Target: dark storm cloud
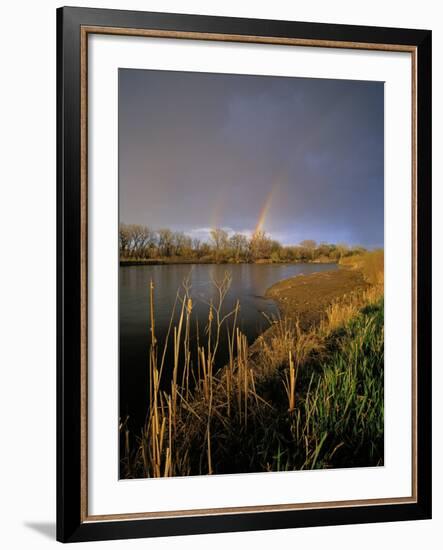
x=198 y=150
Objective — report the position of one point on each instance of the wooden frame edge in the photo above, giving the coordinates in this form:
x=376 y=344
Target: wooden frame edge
x=202 y=512
x=90 y=29
x=221 y=37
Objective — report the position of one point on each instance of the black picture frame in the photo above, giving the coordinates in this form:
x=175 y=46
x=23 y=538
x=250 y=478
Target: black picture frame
x=71 y=524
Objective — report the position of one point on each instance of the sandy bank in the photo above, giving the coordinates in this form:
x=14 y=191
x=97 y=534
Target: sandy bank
x=308 y=296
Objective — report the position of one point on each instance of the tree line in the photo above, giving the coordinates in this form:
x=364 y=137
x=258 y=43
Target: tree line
x=139 y=242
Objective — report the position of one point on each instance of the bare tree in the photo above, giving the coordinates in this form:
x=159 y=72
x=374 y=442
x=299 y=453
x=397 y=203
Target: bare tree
x=139 y=241
x=260 y=245
x=308 y=243
x=220 y=240
x=123 y=240
x=182 y=244
x=165 y=242
x=197 y=247
x=342 y=250
x=239 y=245
x=150 y=243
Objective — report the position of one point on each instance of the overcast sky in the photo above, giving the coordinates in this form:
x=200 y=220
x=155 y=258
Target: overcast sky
x=303 y=156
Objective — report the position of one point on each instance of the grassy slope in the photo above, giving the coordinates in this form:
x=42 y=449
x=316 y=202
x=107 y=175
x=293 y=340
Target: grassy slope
x=337 y=420
x=338 y=416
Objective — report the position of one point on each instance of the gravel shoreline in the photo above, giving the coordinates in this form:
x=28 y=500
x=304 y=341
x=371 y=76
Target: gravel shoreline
x=308 y=296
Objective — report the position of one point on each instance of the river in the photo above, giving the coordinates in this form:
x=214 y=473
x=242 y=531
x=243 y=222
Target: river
x=249 y=283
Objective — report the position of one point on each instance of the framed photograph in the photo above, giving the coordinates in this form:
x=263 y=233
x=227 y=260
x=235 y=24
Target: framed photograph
x=244 y=274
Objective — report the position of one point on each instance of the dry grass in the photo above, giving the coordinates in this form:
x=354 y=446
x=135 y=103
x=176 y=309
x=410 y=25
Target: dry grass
x=181 y=419
x=371 y=264
x=289 y=383
x=269 y=409
x=346 y=308
x=285 y=339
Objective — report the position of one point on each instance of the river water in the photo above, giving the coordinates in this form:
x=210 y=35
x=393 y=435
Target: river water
x=249 y=283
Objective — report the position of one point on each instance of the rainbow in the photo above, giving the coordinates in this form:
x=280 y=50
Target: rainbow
x=217 y=211
x=264 y=211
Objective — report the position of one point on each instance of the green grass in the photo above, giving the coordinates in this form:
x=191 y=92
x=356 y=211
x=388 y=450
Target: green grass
x=342 y=413
x=338 y=416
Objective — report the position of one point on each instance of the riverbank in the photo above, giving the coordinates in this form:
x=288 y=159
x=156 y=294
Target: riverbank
x=307 y=297
x=184 y=261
